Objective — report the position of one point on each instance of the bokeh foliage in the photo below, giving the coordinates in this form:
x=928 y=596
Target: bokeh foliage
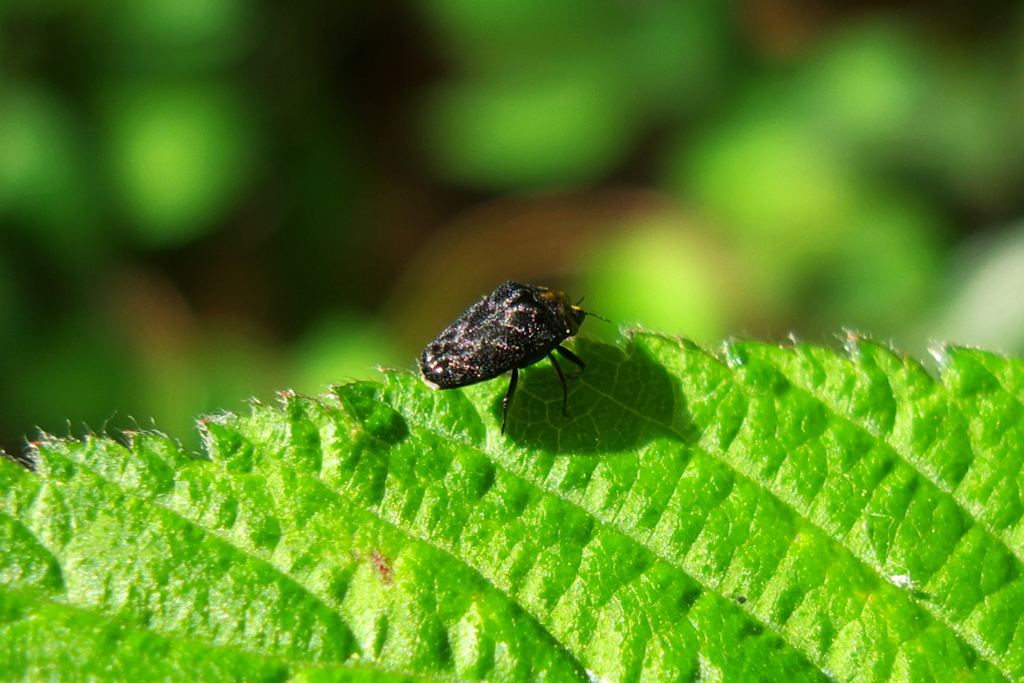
x=203 y=200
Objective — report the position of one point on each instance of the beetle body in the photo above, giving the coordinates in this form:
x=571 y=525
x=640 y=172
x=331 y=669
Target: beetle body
x=511 y=328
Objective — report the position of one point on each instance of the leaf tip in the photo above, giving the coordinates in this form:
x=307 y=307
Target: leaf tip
x=23 y=458
x=731 y=353
x=943 y=355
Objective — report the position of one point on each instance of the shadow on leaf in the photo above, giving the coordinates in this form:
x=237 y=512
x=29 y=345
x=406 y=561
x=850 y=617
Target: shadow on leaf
x=623 y=400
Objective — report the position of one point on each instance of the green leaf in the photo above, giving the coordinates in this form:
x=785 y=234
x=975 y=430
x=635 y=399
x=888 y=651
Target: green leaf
x=769 y=513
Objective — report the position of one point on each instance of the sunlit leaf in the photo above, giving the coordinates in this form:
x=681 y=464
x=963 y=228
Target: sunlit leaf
x=769 y=513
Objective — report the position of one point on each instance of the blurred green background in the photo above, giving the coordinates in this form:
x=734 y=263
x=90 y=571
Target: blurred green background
x=203 y=201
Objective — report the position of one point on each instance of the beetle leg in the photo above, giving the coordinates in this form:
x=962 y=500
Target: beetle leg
x=569 y=355
x=508 y=397
x=565 y=389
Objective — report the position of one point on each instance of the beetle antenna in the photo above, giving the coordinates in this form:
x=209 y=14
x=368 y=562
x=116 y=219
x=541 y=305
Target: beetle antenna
x=592 y=315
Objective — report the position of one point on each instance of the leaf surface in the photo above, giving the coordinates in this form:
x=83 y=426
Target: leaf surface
x=767 y=513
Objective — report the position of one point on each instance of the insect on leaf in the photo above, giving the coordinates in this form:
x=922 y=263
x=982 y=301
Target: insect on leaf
x=767 y=513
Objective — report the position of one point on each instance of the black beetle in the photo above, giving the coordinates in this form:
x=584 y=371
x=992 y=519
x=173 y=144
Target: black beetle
x=513 y=327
